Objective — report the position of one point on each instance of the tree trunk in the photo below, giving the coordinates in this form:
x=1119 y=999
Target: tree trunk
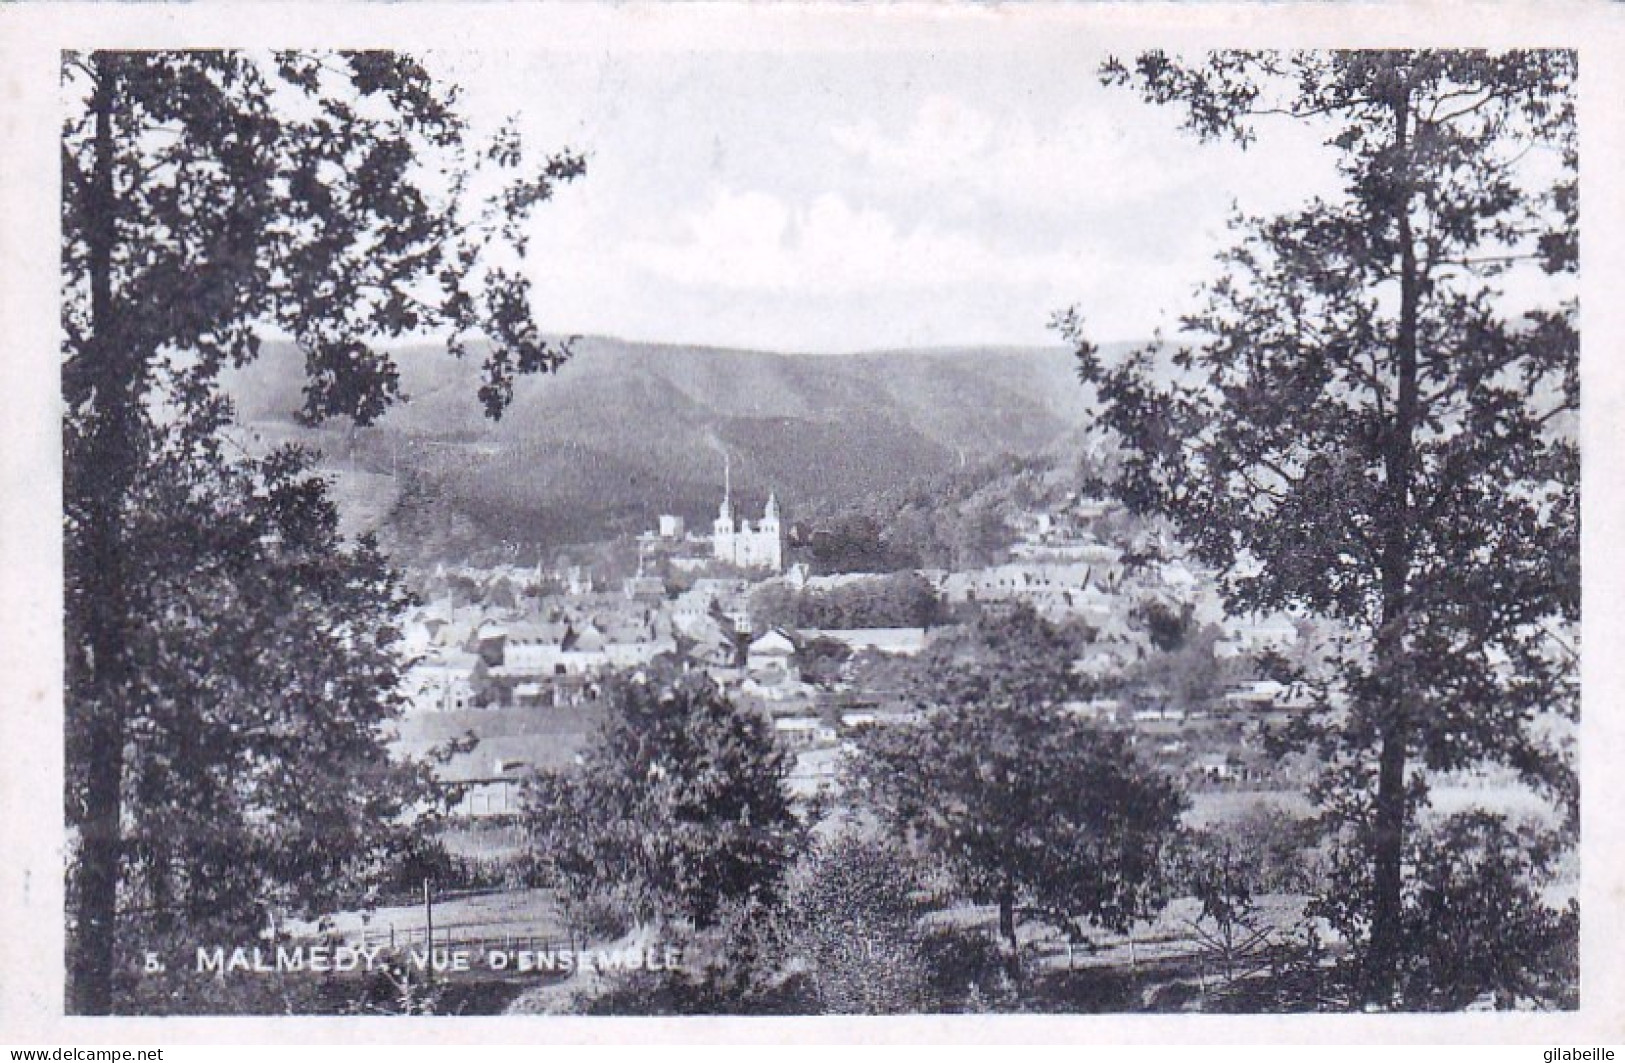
x=1007 y=927
x=1393 y=724
x=105 y=477
x=1388 y=855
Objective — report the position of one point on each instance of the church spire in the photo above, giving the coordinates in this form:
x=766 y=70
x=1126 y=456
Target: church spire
x=725 y=513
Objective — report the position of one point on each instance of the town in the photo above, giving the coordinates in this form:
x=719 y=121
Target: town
x=515 y=656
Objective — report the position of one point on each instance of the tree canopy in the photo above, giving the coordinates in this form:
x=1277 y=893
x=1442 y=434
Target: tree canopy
x=227 y=653
x=678 y=807
x=1371 y=416
x=898 y=599
x=1028 y=806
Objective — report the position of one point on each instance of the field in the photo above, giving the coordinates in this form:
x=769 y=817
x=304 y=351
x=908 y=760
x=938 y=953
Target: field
x=460 y=917
x=536 y=738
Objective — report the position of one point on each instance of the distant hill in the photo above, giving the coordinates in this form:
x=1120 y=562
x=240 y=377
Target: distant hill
x=626 y=431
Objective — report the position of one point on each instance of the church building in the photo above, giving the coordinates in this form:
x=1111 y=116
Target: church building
x=742 y=545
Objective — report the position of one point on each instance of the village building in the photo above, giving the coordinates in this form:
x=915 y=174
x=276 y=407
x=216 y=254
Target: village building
x=1246 y=636
x=644 y=588
x=815 y=772
x=803 y=732
x=442 y=683
x=707 y=644
x=494 y=795
x=711 y=599
x=773 y=652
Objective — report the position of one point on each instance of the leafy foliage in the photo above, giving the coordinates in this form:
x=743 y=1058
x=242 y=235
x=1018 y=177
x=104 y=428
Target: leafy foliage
x=227 y=655
x=902 y=599
x=1026 y=804
x=286 y=637
x=1265 y=849
x=1476 y=926
x=677 y=807
x=847 y=935
x=956 y=520
x=855 y=929
x=740 y=970
x=1364 y=426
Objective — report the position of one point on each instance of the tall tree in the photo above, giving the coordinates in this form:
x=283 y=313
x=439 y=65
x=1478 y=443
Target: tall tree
x=1374 y=422
x=210 y=198
x=678 y=807
x=1029 y=807
x=255 y=782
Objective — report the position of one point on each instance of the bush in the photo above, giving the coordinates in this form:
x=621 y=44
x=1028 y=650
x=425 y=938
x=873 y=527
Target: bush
x=678 y=806
x=1476 y=925
x=1270 y=850
x=854 y=929
x=1475 y=928
x=733 y=966
x=967 y=971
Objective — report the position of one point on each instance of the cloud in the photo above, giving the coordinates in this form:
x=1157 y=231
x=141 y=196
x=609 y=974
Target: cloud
x=943 y=213
x=1080 y=158
x=1098 y=159
x=752 y=241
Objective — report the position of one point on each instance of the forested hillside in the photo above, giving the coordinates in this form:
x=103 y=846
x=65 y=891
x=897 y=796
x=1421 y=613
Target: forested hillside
x=626 y=431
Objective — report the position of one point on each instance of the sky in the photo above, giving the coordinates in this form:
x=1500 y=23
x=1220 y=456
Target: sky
x=826 y=198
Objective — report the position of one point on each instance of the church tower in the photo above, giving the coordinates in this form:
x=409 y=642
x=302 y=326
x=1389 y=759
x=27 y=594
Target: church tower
x=722 y=529
x=770 y=541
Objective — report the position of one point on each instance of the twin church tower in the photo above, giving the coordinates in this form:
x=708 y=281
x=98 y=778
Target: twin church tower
x=742 y=545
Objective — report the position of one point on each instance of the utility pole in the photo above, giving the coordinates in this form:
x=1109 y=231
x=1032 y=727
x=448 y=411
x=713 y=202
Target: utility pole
x=428 y=926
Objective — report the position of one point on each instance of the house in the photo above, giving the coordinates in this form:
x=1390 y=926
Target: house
x=512 y=744
x=498 y=790
x=1097 y=709
x=533 y=647
x=1270 y=702
x=1258 y=634
x=711 y=598
x=777 y=691
x=774 y=651
x=707 y=643
x=637 y=652
x=1103 y=659
x=644 y=588
x=804 y=732
x=814 y=773
x=443 y=683
x=1215 y=768
x=1256 y=695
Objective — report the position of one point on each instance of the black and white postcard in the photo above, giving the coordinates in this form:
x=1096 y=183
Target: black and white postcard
x=617 y=510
